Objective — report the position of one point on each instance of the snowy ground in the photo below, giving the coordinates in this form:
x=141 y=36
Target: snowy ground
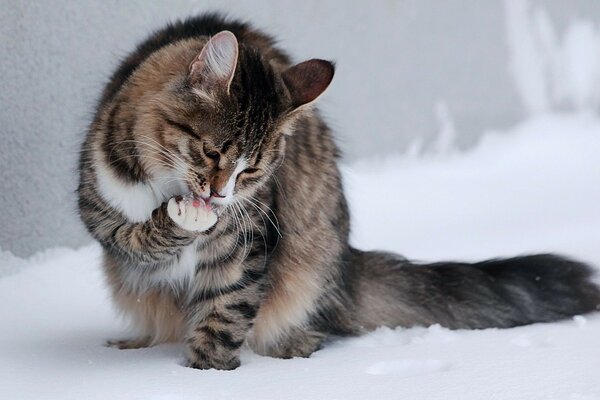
x=535 y=188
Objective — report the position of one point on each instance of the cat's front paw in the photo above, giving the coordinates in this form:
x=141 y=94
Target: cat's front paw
x=204 y=363
x=191 y=214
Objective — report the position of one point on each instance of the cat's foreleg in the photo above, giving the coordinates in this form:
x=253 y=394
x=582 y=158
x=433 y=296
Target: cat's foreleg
x=218 y=327
x=173 y=225
x=157 y=241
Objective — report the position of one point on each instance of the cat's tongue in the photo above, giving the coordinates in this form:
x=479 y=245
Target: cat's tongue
x=200 y=203
x=196 y=201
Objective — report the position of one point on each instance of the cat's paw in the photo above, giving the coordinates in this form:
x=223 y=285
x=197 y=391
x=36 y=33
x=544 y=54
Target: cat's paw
x=124 y=344
x=203 y=363
x=299 y=343
x=191 y=214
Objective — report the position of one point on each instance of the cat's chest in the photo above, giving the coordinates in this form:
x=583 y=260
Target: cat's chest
x=181 y=271
x=197 y=269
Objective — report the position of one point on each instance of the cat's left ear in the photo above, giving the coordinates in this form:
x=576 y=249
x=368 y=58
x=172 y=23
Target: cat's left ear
x=307 y=81
x=215 y=66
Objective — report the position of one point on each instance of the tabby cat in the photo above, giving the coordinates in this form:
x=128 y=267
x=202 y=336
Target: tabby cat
x=212 y=184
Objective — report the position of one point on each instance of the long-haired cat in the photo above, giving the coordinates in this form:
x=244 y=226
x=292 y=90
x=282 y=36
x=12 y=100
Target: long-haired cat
x=212 y=184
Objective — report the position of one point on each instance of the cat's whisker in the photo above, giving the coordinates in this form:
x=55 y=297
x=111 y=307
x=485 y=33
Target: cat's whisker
x=240 y=227
x=264 y=226
x=249 y=228
x=165 y=149
x=252 y=201
x=139 y=156
x=265 y=230
x=261 y=213
x=174 y=156
x=247 y=242
x=169 y=155
x=272 y=174
x=237 y=237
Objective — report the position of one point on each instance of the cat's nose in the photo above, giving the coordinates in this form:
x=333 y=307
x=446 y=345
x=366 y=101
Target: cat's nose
x=219 y=183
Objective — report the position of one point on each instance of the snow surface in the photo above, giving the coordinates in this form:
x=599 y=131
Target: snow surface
x=533 y=188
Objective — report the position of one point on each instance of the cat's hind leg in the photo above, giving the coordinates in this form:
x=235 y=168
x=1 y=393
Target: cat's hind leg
x=299 y=342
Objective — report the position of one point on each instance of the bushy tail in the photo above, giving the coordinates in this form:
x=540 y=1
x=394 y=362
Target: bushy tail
x=391 y=291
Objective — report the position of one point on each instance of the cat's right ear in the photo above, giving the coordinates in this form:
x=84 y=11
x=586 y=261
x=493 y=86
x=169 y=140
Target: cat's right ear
x=307 y=81
x=215 y=66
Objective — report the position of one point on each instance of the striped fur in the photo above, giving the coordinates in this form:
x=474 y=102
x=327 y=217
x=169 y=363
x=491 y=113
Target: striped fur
x=267 y=261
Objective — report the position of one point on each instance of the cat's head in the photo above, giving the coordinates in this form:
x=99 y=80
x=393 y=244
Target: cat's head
x=221 y=128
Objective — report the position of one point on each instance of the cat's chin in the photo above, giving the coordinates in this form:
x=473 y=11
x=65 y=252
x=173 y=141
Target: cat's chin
x=218 y=209
x=218 y=206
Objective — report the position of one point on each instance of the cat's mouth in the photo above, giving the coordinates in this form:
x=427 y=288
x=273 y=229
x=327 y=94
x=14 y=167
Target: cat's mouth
x=212 y=202
x=195 y=200
x=216 y=203
x=207 y=197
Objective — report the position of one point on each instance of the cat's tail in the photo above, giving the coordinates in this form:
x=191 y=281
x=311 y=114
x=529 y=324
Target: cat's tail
x=391 y=291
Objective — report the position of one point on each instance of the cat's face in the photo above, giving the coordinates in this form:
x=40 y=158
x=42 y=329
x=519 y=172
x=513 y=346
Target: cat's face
x=221 y=133
x=223 y=153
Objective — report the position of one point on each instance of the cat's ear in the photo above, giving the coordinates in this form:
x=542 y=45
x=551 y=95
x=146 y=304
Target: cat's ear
x=215 y=66
x=307 y=81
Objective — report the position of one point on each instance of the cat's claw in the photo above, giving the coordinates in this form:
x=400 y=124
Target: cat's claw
x=191 y=215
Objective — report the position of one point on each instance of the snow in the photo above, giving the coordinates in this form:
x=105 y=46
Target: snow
x=531 y=188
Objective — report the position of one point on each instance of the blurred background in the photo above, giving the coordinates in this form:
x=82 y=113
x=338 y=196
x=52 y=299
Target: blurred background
x=413 y=76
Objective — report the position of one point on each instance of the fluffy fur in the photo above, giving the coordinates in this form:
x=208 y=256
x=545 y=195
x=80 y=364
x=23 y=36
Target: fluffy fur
x=213 y=187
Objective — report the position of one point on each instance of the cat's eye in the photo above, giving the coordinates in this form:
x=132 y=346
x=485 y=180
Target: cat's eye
x=213 y=155
x=250 y=170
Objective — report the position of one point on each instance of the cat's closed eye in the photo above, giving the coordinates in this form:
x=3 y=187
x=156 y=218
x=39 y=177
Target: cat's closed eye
x=250 y=170
x=213 y=155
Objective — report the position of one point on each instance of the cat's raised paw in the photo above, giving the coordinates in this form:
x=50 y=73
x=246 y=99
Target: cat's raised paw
x=191 y=214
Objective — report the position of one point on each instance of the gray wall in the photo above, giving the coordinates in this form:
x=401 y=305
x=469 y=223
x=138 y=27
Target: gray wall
x=397 y=61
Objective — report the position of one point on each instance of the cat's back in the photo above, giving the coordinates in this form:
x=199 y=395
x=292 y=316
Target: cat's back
x=203 y=25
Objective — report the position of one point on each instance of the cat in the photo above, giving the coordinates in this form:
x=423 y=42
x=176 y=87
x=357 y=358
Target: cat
x=212 y=184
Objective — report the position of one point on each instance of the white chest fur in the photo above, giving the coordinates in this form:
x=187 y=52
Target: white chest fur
x=181 y=272
x=135 y=201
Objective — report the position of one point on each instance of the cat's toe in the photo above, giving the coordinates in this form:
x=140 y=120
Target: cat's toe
x=177 y=210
